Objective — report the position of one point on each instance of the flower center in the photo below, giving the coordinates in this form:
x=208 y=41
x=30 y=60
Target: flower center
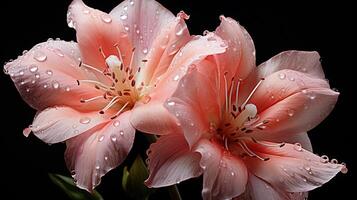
x=238 y=121
x=118 y=83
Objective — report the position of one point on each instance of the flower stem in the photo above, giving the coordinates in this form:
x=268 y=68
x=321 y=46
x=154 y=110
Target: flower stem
x=173 y=190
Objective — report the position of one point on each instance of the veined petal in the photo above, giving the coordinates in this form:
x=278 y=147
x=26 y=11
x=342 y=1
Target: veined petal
x=303 y=61
x=90 y=155
x=58 y=124
x=291 y=168
x=155 y=33
x=171 y=161
x=97 y=31
x=47 y=76
x=258 y=189
x=239 y=59
x=224 y=176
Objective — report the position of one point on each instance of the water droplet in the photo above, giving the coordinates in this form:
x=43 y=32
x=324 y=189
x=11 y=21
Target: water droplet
x=33 y=68
x=312 y=96
x=145 y=50
x=304 y=179
x=106 y=18
x=116 y=123
x=24 y=52
x=70 y=22
x=97 y=167
x=334 y=161
x=74 y=126
x=297 y=147
x=282 y=76
x=113 y=138
x=58 y=52
x=85 y=120
x=105 y=157
x=49 y=72
x=222 y=164
x=192 y=124
x=37 y=76
x=85 y=11
x=40 y=56
x=67 y=89
x=176 y=78
x=292 y=79
x=172 y=49
x=232 y=173
x=146 y=99
x=304 y=91
x=123 y=17
x=55 y=85
x=27 y=89
x=126 y=28
x=76 y=131
x=121 y=133
x=324 y=159
x=304 y=69
x=344 y=169
x=101 y=138
x=291 y=112
x=22 y=82
x=33 y=81
x=26 y=131
x=45 y=86
x=125 y=8
x=21 y=73
x=131 y=2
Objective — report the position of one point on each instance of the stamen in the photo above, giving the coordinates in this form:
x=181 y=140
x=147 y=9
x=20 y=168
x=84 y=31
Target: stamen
x=268 y=145
x=110 y=104
x=251 y=93
x=261 y=123
x=237 y=91
x=226 y=142
x=96 y=83
x=81 y=64
x=102 y=52
x=91 y=99
x=131 y=59
x=121 y=109
x=230 y=95
x=119 y=52
x=249 y=111
x=226 y=91
x=250 y=152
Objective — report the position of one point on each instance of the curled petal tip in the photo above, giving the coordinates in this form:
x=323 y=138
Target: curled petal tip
x=183 y=15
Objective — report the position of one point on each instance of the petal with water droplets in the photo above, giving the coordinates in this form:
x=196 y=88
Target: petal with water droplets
x=93 y=153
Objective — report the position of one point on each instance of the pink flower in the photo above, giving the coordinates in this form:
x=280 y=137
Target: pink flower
x=244 y=128
x=122 y=69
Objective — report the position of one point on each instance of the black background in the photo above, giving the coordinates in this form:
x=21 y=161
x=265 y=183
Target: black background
x=275 y=27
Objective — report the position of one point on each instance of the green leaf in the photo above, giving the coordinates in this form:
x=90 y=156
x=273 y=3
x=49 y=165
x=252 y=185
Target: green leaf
x=73 y=192
x=133 y=180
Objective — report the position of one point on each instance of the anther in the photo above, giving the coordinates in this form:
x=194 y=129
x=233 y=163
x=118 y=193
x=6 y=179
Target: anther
x=91 y=99
x=121 y=109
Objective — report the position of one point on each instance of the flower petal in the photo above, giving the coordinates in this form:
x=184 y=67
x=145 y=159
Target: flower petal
x=224 y=175
x=90 y=155
x=291 y=168
x=193 y=53
x=58 y=124
x=195 y=104
x=47 y=76
x=292 y=102
x=303 y=61
x=239 y=59
x=96 y=29
x=155 y=32
x=258 y=189
x=171 y=161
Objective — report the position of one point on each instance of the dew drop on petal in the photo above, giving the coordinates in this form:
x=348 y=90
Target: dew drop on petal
x=297 y=147
x=344 y=169
x=67 y=89
x=121 y=133
x=113 y=138
x=291 y=112
x=126 y=28
x=123 y=17
x=145 y=50
x=176 y=78
x=21 y=73
x=85 y=120
x=58 y=52
x=116 y=123
x=97 y=167
x=49 y=72
x=55 y=85
x=292 y=79
x=40 y=56
x=101 y=138
x=282 y=76
x=33 y=68
x=324 y=159
x=105 y=157
x=45 y=86
x=106 y=18
x=131 y=2
x=334 y=161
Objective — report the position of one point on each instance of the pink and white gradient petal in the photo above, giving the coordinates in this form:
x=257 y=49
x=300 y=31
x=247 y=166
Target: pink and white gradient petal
x=90 y=155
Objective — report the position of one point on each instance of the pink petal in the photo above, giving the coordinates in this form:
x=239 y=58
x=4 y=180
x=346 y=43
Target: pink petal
x=195 y=104
x=155 y=32
x=297 y=113
x=192 y=53
x=258 y=189
x=301 y=138
x=239 y=59
x=58 y=124
x=224 y=175
x=47 y=76
x=291 y=168
x=96 y=29
x=90 y=155
x=303 y=61
x=171 y=161
x=292 y=102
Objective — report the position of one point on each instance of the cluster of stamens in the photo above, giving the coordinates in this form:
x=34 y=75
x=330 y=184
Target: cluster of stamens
x=238 y=120
x=119 y=86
